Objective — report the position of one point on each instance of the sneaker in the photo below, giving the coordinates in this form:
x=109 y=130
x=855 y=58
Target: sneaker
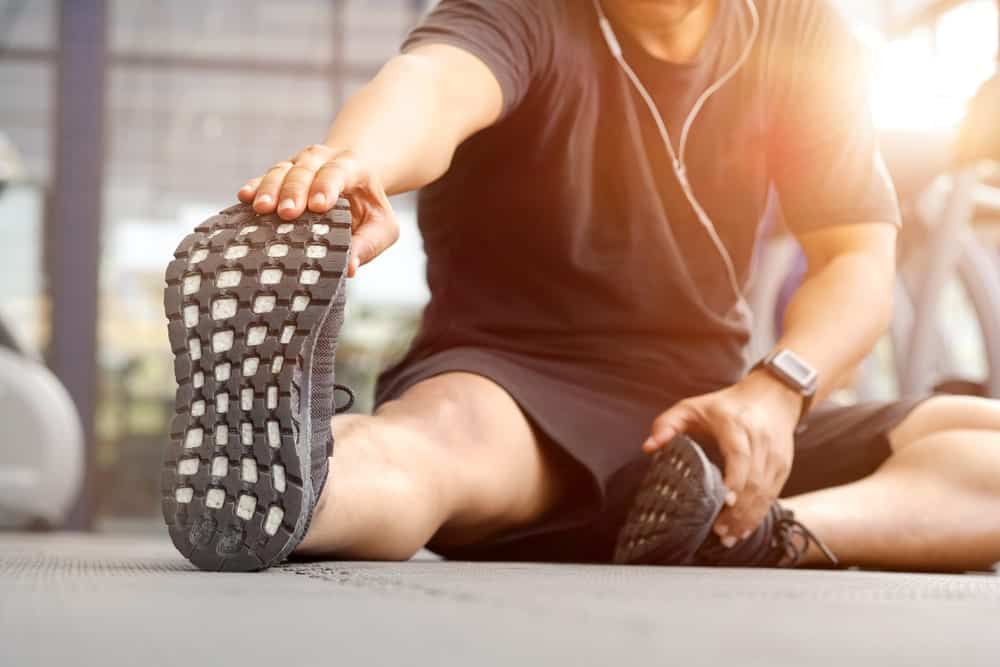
x=779 y=541
x=674 y=509
x=254 y=306
x=671 y=519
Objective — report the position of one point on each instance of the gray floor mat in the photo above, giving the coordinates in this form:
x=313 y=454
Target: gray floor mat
x=133 y=601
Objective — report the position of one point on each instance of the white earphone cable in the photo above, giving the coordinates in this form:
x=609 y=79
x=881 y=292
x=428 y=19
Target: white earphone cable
x=677 y=157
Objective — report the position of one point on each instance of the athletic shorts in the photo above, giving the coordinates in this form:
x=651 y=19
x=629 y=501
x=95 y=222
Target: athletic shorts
x=595 y=423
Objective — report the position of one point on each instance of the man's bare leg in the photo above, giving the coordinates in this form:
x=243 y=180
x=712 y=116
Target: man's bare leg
x=934 y=505
x=453 y=459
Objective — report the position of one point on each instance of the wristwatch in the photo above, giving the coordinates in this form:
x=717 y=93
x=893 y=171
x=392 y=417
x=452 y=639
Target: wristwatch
x=794 y=373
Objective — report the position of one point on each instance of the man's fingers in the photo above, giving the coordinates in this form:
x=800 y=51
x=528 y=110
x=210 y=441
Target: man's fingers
x=292 y=195
x=753 y=502
x=314 y=179
x=772 y=473
x=330 y=181
x=299 y=180
x=669 y=425
x=266 y=199
x=249 y=190
x=734 y=443
x=737 y=523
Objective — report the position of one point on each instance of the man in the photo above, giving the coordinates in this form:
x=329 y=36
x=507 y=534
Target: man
x=593 y=175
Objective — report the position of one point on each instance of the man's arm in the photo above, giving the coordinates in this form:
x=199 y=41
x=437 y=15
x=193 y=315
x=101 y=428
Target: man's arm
x=845 y=303
x=823 y=156
x=834 y=320
x=397 y=133
x=407 y=123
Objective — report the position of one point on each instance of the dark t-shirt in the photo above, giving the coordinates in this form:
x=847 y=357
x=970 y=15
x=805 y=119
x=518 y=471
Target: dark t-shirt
x=561 y=233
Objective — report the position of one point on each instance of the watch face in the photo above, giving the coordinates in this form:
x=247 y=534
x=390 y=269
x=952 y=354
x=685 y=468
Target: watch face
x=796 y=369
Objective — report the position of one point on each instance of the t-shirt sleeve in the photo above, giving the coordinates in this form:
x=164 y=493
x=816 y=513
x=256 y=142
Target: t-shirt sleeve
x=824 y=157
x=511 y=37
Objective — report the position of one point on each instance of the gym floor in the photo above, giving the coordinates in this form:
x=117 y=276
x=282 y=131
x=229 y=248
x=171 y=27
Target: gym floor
x=132 y=600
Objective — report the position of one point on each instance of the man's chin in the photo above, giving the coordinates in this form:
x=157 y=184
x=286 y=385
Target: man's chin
x=653 y=12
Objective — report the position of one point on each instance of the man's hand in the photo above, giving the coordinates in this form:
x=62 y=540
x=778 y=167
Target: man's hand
x=315 y=178
x=754 y=424
x=398 y=133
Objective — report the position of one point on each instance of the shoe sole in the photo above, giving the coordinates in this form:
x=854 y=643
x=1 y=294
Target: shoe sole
x=673 y=512
x=246 y=295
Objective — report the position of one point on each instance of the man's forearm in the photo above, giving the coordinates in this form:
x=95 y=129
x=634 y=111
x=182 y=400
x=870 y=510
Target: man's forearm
x=389 y=125
x=406 y=123
x=838 y=314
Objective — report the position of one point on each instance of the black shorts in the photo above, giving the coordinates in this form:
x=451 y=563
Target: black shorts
x=596 y=423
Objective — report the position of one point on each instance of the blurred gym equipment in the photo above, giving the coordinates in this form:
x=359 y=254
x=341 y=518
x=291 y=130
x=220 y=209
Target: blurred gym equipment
x=957 y=211
x=8 y=341
x=41 y=449
x=41 y=445
x=951 y=236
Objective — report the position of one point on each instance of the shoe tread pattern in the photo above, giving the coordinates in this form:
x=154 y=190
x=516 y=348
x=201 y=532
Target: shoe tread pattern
x=673 y=511
x=217 y=537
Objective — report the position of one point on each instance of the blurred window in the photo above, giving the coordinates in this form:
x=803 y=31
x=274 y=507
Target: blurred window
x=26 y=113
x=27 y=77
x=924 y=80
x=203 y=95
x=28 y=24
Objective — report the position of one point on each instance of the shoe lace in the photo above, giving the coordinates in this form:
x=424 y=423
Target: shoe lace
x=350 y=399
x=793 y=538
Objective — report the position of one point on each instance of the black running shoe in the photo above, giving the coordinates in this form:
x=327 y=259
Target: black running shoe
x=779 y=541
x=254 y=306
x=674 y=509
x=671 y=519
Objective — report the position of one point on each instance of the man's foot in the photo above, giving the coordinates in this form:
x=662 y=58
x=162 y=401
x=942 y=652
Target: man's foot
x=673 y=512
x=671 y=519
x=780 y=541
x=254 y=305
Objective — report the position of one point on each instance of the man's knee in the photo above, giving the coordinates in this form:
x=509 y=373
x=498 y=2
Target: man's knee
x=447 y=411
x=375 y=441
x=381 y=491
x=401 y=458
x=429 y=420
x=370 y=451
x=946 y=413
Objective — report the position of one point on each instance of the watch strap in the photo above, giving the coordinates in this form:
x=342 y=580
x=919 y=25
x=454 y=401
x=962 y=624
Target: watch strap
x=807 y=393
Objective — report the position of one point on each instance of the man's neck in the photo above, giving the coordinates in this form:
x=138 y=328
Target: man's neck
x=671 y=31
